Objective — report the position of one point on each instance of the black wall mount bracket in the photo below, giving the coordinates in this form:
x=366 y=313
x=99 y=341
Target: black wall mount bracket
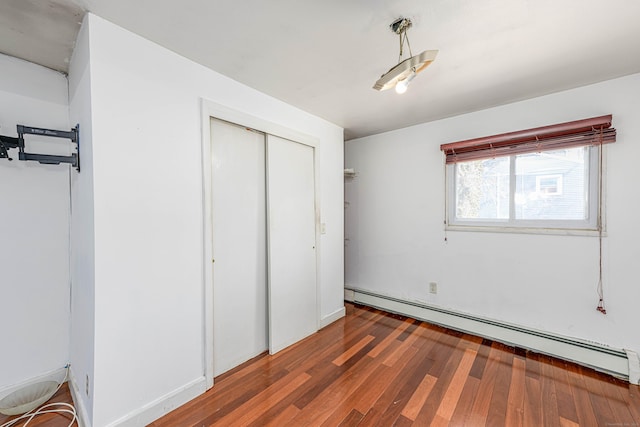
x=8 y=142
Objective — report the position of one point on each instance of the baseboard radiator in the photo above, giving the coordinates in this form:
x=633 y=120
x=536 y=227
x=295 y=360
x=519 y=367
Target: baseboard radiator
x=600 y=357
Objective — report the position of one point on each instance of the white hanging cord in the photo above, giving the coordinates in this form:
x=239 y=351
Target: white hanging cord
x=404 y=38
x=600 y=288
x=60 y=408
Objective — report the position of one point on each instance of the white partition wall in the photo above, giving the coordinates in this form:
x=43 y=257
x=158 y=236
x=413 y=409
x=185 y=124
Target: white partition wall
x=144 y=295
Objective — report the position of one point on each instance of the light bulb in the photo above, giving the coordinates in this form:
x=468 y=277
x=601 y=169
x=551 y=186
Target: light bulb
x=402 y=85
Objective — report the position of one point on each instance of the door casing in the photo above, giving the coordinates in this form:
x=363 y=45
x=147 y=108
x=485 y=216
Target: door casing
x=210 y=109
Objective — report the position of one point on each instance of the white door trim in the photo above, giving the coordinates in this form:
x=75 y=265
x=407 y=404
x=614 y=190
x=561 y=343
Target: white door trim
x=210 y=109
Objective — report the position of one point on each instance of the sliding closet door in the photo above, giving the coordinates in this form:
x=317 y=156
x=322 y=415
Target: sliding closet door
x=239 y=245
x=291 y=242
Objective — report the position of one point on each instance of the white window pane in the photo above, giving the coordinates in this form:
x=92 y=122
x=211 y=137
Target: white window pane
x=482 y=189
x=552 y=185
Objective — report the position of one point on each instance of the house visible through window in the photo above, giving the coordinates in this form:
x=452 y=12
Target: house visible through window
x=546 y=181
x=550 y=185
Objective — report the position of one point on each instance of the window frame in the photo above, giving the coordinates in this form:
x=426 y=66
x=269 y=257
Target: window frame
x=594 y=172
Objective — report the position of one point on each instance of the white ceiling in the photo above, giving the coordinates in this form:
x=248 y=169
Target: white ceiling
x=324 y=56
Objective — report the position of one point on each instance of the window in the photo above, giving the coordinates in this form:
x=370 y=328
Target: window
x=540 y=182
x=549 y=185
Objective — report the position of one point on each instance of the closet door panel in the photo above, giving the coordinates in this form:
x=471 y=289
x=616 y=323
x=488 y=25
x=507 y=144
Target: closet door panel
x=291 y=228
x=239 y=245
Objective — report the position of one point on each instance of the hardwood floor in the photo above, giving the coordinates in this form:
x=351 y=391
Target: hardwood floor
x=377 y=369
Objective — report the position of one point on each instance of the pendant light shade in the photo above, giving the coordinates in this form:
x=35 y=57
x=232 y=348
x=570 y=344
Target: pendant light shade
x=400 y=75
x=408 y=68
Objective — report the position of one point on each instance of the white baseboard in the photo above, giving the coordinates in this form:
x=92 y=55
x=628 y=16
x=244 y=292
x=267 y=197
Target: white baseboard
x=329 y=319
x=600 y=357
x=78 y=402
x=162 y=406
x=349 y=295
x=54 y=375
x=634 y=367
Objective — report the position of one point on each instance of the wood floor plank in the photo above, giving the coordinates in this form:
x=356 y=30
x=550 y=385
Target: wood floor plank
x=408 y=385
x=566 y=405
x=608 y=387
x=631 y=394
x=212 y=405
x=408 y=331
x=446 y=358
x=533 y=365
x=601 y=407
x=515 y=397
x=416 y=402
x=256 y=406
x=363 y=394
x=465 y=403
x=370 y=392
x=480 y=409
x=351 y=420
x=580 y=394
x=340 y=360
x=391 y=370
x=481 y=360
x=340 y=395
x=454 y=390
x=532 y=402
x=568 y=423
x=392 y=359
x=375 y=352
x=499 y=398
x=328 y=400
x=282 y=419
x=550 y=413
x=403 y=422
x=422 y=361
x=398 y=386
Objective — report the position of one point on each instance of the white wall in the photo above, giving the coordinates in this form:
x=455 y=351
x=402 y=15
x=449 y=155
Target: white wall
x=34 y=227
x=394 y=223
x=147 y=212
x=82 y=234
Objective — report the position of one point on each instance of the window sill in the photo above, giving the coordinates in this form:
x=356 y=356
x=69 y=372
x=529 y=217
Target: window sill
x=526 y=230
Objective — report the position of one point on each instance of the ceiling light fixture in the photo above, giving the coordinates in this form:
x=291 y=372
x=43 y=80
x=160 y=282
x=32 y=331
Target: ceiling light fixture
x=401 y=74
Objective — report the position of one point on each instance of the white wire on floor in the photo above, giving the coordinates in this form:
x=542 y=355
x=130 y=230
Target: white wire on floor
x=62 y=408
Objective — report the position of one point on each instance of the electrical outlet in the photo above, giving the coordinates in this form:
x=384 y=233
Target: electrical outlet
x=433 y=288
x=86 y=385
